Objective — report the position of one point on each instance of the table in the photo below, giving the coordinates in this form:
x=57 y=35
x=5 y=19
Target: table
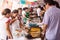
x=21 y=38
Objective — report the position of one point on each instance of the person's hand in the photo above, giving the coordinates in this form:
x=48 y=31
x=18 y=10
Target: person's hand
x=10 y=37
x=19 y=30
x=16 y=17
x=43 y=34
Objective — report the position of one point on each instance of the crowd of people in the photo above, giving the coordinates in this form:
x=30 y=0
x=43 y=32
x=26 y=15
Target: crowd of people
x=17 y=23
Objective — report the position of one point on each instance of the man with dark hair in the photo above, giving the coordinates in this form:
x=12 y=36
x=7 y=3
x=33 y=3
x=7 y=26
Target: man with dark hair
x=5 y=25
x=6 y=11
x=25 y=8
x=50 y=2
x=20 y=11
x=51 y=21
x=20 y=17
x=25 y=14
x=56 y=4
x=19 y=8
x=15 y=11
x=24 y=11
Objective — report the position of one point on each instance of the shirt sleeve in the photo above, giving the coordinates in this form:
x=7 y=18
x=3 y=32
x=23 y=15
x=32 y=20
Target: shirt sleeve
x=38 y=12
x=23 y=13
x=8 y=20
x=46 y=18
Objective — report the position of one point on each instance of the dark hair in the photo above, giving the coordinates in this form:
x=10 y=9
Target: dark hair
x=39 y=6
x=15 y=11
x=50 y=2
x=19 y=8
x=6 y=11
x=31 y=9
x=25 y=8
x=57 y=4
x=42 y=8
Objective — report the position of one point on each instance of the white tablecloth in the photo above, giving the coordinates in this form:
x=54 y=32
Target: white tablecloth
x=21 y=38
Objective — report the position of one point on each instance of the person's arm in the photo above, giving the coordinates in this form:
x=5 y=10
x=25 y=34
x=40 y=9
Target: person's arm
x=46 y=21
x=9 y=34
x=44 y=28
x=21 y=25
x=13 y=20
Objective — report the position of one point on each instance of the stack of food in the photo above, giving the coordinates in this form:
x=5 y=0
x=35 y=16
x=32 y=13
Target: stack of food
x=35 y=32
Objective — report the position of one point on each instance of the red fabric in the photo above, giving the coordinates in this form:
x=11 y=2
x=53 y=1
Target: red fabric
x=8 y=21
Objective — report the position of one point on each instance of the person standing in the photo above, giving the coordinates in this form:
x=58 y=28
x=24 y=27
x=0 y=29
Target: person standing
x=15 y=26
x=38 y=11
x=51 y=21
x=5 y=25
x=25 y=14
x=20 y=17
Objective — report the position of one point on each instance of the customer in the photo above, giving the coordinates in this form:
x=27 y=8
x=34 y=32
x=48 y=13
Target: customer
x=20 y=17
x=15 y=26
x=5 y=25
x=38 y=11
x=24 y=13
x=42 y=13
x=20 y=14
x=51 y=21
x=20 y=10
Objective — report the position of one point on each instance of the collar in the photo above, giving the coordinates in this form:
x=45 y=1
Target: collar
x=50 y=7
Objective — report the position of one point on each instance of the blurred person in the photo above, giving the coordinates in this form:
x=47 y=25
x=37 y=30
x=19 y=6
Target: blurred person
x=15 y=26
x=25 y=14
x=42 y=13
x=24 y=11
x=20 y=16
x=51 y=21
x=38 y=11
x=17 y=30
x=35 y=9
x=20 y=11
x=5 y=25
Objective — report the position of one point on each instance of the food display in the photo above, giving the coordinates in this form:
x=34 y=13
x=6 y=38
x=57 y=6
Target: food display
x=35 y=32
